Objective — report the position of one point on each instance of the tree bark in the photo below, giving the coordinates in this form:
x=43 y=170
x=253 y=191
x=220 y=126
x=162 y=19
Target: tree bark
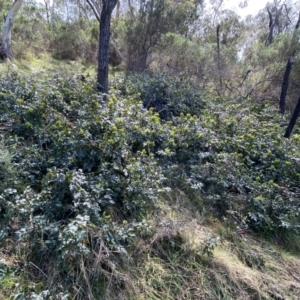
x=293 y=120
x=5 y=47
x=219 y=56
x=105 y=18
x=137 y=60
x=288 y=68
x=272 y=23
x=298 y=22
x=103 y=14
x=47 y=4
x=285 y=85
x=271 y=27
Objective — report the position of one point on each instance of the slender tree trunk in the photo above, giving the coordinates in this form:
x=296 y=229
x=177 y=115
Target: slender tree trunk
x=131 y=10
x=137 y=62
x=271 y=28
x=288 y=68
x=5 y=47
x=118 y=10
x=219 y=56
x=102 y=77
x=285 y=85
x=272 y=23
x=47 y=10
x=245 y=76
x=293 y=120
x=298 y=22
x=121 y=56
x=97 y=9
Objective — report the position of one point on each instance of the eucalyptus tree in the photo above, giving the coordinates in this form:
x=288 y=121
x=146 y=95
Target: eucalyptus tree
x=104 y=36
x=148 y=23
x=71 y=35
x=273 y=53
x=103 y=12
x=5 y=47
x=221 y=34
x=289 y=65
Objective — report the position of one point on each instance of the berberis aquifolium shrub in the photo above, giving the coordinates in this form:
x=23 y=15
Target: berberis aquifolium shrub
x=168 y=96
x=93 y=170
x=253 y=173
x=89 y=165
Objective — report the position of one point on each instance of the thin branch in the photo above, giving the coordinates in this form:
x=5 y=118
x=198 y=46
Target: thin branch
x=298 y=22
x=285 y=85
x=131 y=10
x=94 y=8
x=117 y=49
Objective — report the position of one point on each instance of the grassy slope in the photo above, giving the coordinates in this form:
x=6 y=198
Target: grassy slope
x=242 y=266
x=171 y=265
x=45 y=64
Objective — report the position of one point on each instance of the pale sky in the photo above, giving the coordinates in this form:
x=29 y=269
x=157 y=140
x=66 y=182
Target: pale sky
x=252 y=8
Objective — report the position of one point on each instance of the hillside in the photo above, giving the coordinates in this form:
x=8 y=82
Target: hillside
x=164 y=191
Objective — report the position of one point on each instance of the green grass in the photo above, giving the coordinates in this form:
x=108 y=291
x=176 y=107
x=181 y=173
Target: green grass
x=45 y=65
x=171 y=265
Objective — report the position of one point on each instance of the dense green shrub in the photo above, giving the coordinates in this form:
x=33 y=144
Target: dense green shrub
x=253 y=172
x=75 y=40
x=89 y=165
x=95 y=169
x=8 y=181
x=8 y=171
x=168 y=96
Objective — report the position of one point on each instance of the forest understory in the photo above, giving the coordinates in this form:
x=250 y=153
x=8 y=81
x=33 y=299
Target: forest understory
x=181 y=181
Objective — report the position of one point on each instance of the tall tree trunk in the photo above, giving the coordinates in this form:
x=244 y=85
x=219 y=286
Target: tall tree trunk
x=288 y=68
x=272 y=23
x=47 y=7
x=219 y=56
x=285 y=85
x=293 y=120
x=137 y=62
x=271 y=28
x=97 y=9
x=102 y=76
x=5 y=47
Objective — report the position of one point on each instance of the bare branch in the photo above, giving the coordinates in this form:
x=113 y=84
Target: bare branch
x=113 y=43
x=95 y=8
x=131 y=10
x=298 y=22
